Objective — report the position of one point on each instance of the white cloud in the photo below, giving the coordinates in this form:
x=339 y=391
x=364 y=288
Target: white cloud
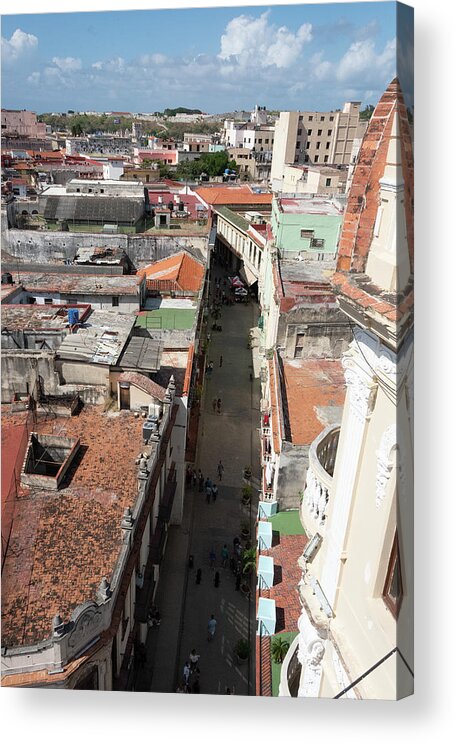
x=152 y=59
x=361 y=62
x=117 y=64
x=19 y=43
x=67 y=64
x=34 y=78
x=255 y=42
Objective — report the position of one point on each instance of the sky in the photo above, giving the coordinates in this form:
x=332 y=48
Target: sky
x=216 y=59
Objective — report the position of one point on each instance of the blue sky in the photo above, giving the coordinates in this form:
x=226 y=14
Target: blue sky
x=215 y=59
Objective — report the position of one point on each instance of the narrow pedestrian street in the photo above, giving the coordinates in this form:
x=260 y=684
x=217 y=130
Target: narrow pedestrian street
x=229 y=436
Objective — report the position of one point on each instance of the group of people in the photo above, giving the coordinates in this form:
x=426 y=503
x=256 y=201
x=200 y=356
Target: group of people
x=191 y=675
x=216 y=405
x=195 y=479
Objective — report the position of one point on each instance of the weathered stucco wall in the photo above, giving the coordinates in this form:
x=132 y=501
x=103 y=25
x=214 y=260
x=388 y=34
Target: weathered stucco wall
x=51 y=247
x=21 y=371
x=326 y=331
x=291 y=475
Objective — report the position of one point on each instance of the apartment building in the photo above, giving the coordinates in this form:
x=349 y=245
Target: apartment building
x=315 y=137
x=21 y=123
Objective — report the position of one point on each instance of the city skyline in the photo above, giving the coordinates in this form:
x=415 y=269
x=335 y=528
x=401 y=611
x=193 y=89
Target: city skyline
x=311 y=57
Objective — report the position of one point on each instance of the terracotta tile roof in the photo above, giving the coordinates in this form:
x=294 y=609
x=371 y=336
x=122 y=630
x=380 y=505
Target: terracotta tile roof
x=232 y=195
x=360 y=215
x=62 y=545
x=311 y=385
x=285 y=594
x=144 y=383
x=182 y=269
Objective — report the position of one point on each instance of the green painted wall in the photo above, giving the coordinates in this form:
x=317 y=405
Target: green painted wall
x=287 y=228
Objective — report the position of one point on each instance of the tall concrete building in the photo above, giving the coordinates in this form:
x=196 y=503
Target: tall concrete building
x=314 y=137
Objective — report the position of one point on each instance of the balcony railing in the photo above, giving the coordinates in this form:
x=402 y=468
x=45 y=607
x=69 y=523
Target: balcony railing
x=268 y=478
x=319 y=481
x=266 y=448
x=291 y=671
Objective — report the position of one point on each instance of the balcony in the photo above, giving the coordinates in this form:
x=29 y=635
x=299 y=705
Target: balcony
x=319 y=481
x=291 y=671
x=268 y=477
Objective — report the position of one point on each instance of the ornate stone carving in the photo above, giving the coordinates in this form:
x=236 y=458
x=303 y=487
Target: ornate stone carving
x=86 y=627
x=386 y=460
x=362 y=395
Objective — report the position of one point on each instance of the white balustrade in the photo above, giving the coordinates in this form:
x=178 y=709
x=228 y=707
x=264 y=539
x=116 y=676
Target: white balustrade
x=319 y=478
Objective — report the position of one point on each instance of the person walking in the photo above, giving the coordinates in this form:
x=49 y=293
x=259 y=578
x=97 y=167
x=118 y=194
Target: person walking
x=220 y=470
x=221 y=361
x=214 y=492
x=201 y=481
x=214 y=404
x=208 y=489
x=211 y=628
x=186 y=673
x=218 y=405
x=194 y=659
x=224 y=555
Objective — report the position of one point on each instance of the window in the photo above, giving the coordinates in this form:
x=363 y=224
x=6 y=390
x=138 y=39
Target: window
x=308 y=145
x=48 y=301
x=299 y=343
x=307 y=159
x=330 y=118
x=318 y=144
x=392 y=593
x=306 y=233
x=327 y=146
x=322 y=118
x=115 y=301
x=299 y=132
x=328 y=181
x=300 y=118
x=260 y=141
x=310 y=118
x=297 y=145
x=319 y=132
x=316 y=158
x=317 y=243
x=266 y=141
x=326 y=158
x=329 y=133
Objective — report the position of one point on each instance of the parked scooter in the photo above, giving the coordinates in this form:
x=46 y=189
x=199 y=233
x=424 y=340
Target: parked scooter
x=216 y=327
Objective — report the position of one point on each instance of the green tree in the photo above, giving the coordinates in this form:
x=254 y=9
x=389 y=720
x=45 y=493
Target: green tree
x=279 y=649
x=76 y=129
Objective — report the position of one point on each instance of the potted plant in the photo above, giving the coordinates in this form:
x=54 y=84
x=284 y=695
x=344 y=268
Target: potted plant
x=278 y=649
x=249 y=561
x=242 y=651
x=245 y=529
x=247 y=472
x=247 y=492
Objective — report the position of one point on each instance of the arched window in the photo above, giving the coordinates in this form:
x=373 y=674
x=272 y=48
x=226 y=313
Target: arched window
x=393 y=587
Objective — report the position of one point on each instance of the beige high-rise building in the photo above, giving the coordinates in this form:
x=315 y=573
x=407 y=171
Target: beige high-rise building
x=316 y=138
x=356 y=624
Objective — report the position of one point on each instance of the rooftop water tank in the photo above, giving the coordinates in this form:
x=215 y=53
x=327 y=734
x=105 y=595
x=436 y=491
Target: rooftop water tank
x=73 y=317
